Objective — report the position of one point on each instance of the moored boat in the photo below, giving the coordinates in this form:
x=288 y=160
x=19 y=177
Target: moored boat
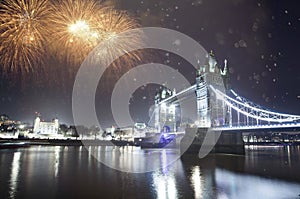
x=160 y=140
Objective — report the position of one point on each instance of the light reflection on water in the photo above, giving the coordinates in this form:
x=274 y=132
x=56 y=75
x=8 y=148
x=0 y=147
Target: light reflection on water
x=15 y=169
x=130 y=158
x=164 y=181
x=70 y=172
x=236 y=186
x=57 y=160
x=196 y=182
x=164 y=185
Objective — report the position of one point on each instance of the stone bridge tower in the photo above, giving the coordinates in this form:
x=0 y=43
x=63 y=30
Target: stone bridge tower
x=211 y=111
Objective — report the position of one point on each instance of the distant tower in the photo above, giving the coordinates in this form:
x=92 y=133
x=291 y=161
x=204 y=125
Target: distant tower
x=203 y=111
x=36 y=127
x=56 y=125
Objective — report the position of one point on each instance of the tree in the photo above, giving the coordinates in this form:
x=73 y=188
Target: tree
x=63 y=129
x=94 y=130
x=82 y=130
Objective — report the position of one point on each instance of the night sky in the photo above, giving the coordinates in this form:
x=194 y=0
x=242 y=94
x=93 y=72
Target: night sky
x=260 y=40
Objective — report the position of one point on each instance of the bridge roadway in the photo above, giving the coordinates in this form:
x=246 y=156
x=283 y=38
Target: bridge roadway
x=280 y=127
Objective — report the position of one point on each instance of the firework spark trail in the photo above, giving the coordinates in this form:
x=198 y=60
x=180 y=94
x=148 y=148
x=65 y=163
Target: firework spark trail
x=23 y=33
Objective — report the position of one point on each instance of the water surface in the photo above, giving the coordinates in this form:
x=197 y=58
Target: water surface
x=71 y=172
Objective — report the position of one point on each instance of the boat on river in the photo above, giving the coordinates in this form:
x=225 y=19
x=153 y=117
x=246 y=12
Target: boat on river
x=159 y=140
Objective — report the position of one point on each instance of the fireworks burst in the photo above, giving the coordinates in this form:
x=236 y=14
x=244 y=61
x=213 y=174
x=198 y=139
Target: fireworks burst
x=23 y=33
x=70 y=29
x=74 y=34
x=79 y=26
x=109 y=24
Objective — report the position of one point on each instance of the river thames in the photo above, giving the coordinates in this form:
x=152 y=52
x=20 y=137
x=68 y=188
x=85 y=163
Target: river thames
x=71 y=172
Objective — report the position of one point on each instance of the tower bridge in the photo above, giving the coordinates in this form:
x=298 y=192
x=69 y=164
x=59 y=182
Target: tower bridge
x=217 y=108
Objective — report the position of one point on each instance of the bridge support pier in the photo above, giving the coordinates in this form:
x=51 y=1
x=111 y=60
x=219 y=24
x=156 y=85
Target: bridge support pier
x=227 y=143
x=231 y=143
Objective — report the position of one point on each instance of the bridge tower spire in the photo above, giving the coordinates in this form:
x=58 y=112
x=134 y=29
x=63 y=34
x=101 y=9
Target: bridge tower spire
x=225 y=76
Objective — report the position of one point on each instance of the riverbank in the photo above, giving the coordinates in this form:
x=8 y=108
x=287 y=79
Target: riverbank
x=15 y=143
x=272 y=143
x=52 y=142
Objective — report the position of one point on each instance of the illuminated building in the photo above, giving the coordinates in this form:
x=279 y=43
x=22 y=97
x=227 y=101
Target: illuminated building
x=45 y=128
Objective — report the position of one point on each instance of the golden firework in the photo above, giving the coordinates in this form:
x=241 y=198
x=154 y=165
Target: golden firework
x=110 y=23
x=23 y=33
x=79 y=26
x=73 y=30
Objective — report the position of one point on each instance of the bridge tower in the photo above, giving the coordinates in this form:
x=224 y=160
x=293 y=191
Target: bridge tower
x=165 y=112
x=210 y=110
x=203 y=112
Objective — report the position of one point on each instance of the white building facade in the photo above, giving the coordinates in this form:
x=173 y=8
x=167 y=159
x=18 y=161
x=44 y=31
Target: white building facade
x=45 y=128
